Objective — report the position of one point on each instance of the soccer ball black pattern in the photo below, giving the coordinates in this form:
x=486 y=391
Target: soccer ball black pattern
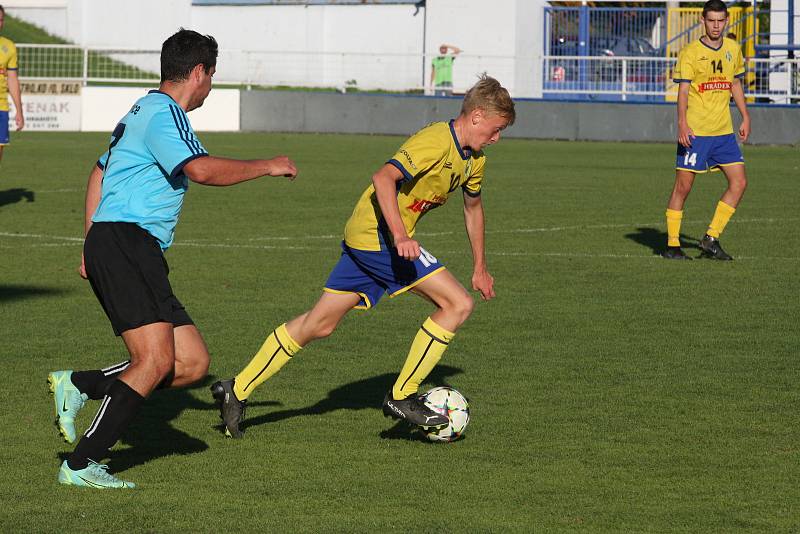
x=447 y=401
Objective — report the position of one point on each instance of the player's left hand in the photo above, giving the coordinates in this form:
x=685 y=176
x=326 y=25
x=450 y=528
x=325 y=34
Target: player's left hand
x=82 y=269
x=744 y=129
x=483 y=282
x=20 y=121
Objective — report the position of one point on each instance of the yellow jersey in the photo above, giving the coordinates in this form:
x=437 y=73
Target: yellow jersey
x=434 y=165
x=8 y=61
x=710 y=73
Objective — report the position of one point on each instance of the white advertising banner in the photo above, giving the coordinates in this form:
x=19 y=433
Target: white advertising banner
x=103 y=107
x=49 y=106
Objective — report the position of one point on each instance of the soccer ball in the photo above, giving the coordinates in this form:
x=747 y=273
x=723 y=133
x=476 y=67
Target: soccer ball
x=449 y=402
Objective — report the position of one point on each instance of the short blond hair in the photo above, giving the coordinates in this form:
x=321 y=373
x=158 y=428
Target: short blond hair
x=491 y=97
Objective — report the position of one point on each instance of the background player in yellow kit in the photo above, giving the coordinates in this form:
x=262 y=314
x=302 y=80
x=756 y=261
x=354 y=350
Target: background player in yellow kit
x=380 y=255
x=709 y=72
x=9 y=85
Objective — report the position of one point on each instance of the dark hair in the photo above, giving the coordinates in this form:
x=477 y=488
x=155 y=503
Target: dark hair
x=2 y=10
x=717 y=6
x=183 y=51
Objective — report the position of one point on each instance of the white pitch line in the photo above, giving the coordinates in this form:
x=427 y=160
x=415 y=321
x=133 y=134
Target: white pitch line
x=200 y=243
x=441 y=253
x=41 y=236
x=624 y=225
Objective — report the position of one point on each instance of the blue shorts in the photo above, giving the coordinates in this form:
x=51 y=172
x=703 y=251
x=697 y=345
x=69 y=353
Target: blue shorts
x=709 y=153
x=4 y=128
x=371 y=274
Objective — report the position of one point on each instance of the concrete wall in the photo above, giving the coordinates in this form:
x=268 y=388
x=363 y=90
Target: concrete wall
x=279 y=111
x=502 y=37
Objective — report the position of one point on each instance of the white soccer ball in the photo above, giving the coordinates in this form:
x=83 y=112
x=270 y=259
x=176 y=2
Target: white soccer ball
x=449 y=402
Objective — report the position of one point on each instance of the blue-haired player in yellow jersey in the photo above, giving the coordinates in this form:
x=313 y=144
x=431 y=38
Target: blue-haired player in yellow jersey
x=9 y=85
x=380 y=255
x=710 y=72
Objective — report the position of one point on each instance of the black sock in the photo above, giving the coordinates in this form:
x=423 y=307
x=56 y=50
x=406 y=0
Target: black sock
x=116 y=411
x=96 y=383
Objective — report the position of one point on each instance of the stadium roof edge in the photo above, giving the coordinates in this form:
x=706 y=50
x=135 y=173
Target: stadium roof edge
x=301 y=2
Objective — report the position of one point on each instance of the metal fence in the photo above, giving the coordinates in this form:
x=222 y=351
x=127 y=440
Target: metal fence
x=606 y=77
x=650 y=79
x=343 y=71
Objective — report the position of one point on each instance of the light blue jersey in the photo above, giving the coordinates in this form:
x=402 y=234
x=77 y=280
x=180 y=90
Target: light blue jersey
x=143 y=179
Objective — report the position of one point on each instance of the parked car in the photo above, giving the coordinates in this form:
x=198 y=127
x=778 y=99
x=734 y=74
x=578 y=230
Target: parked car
x=610 y=71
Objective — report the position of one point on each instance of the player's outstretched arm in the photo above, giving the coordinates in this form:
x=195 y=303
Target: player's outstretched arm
x=94 y=187
x=211 y=170
x=482 y=281
x=737 y=92
x=385 y=181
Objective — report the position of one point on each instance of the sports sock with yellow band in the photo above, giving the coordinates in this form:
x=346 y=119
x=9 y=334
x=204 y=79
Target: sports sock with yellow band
x=721 y=217
x=674 y=218
x=426 y=350
x=277 y=350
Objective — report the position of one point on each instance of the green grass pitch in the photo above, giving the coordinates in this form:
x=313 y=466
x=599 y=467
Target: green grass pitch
x=611 y=391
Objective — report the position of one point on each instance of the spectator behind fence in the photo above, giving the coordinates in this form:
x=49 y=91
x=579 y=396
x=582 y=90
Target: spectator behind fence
x=442 y=70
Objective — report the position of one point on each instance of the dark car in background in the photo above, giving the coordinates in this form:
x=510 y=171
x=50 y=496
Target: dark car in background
x=602 y=71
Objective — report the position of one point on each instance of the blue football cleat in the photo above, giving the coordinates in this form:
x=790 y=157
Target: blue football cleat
x=68 y=401
x=92 y=476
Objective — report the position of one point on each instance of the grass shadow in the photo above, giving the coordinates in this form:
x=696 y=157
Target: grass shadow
x=12 y=196
x=656 y=240
x=151 y=435
x=14 y=292
x=359 y=395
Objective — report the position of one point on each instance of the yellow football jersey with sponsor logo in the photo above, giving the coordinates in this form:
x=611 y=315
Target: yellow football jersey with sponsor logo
x=434 y=166
x=710 y=73
x=8 y=61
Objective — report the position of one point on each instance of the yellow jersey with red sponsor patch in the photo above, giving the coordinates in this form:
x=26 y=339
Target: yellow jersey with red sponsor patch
x=710 y=73
x=8 y=61
x=434 y=165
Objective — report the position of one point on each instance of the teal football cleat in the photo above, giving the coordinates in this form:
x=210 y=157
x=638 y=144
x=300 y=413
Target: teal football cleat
x=68 y=402
x=93 y=476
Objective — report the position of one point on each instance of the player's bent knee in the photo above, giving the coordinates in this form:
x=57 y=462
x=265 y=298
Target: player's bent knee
x=324 y=330
x=159 y=365
x=462 y=307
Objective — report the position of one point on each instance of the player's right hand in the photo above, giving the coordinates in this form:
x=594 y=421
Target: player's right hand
x=282 y=166
x=407 y=248
x=685 y=135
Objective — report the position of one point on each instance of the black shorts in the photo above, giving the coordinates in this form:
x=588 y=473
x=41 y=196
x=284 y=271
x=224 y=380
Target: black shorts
x=128 y=273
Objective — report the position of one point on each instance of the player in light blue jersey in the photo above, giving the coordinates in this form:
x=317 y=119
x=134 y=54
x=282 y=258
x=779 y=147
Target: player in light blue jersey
x=133 y=202
x=144 y=182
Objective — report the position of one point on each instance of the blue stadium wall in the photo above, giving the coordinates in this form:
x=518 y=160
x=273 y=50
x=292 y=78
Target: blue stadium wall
x=286 y=111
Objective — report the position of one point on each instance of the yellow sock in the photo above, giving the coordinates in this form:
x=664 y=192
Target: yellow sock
x=721 y=217
x=426 y=350
x=674 y=218
x=277 y=350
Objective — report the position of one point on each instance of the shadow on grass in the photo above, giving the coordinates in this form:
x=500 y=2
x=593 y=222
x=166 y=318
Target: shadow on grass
x=12 y=292
x=358 y=395
x=656 y=240
x=151 y=435
x=12 y=196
